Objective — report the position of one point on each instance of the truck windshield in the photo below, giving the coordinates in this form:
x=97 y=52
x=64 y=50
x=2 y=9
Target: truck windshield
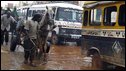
x=69 y=14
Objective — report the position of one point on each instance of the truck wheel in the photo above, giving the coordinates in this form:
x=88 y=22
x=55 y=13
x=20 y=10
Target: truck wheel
x=54 y=39
x=96 y=59
x=78 y=43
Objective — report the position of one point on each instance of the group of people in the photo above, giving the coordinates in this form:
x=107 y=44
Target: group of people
x=25 y=34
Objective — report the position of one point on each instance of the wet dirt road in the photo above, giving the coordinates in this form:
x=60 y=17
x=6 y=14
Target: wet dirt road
x=61 y=57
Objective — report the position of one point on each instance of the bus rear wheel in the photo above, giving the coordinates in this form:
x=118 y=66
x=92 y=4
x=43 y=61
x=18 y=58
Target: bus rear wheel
x=96 y=59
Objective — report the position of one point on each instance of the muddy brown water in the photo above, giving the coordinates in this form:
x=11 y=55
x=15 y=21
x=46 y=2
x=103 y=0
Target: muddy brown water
x=61 y=57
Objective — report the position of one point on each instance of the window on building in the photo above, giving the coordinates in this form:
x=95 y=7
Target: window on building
x=85 y=19
x=110 y=14
x=121 y=18
x=95 y=17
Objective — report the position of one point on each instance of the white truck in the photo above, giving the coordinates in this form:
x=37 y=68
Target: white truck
x=67 y=18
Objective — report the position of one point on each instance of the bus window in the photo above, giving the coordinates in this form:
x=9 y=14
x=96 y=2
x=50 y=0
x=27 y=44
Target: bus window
x=113 y=16
x=74 y=16
x=22 y=12
x=110 y=14
x=39 y=11
x=25 y=12
x=85 y=20
x=34 y=12
x=121 y=19
x=19 y=13
x=79 y=16
x=95 y=18
x=30 y=13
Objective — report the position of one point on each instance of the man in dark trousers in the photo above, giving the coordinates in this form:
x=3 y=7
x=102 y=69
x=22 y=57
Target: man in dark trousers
x=6 y=20
x=16 y=39
x=30 y=39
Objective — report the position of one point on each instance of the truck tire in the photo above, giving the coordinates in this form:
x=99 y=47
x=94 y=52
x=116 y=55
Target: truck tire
x=54 y=39
x=78 y=43
x=96 y=59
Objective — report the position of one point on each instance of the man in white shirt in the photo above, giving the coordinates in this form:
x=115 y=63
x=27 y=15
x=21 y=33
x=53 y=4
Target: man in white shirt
x=6 y=20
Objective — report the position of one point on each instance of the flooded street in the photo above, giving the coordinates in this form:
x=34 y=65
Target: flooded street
x=61 y=57
x=67 y=56
x=84 y=35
